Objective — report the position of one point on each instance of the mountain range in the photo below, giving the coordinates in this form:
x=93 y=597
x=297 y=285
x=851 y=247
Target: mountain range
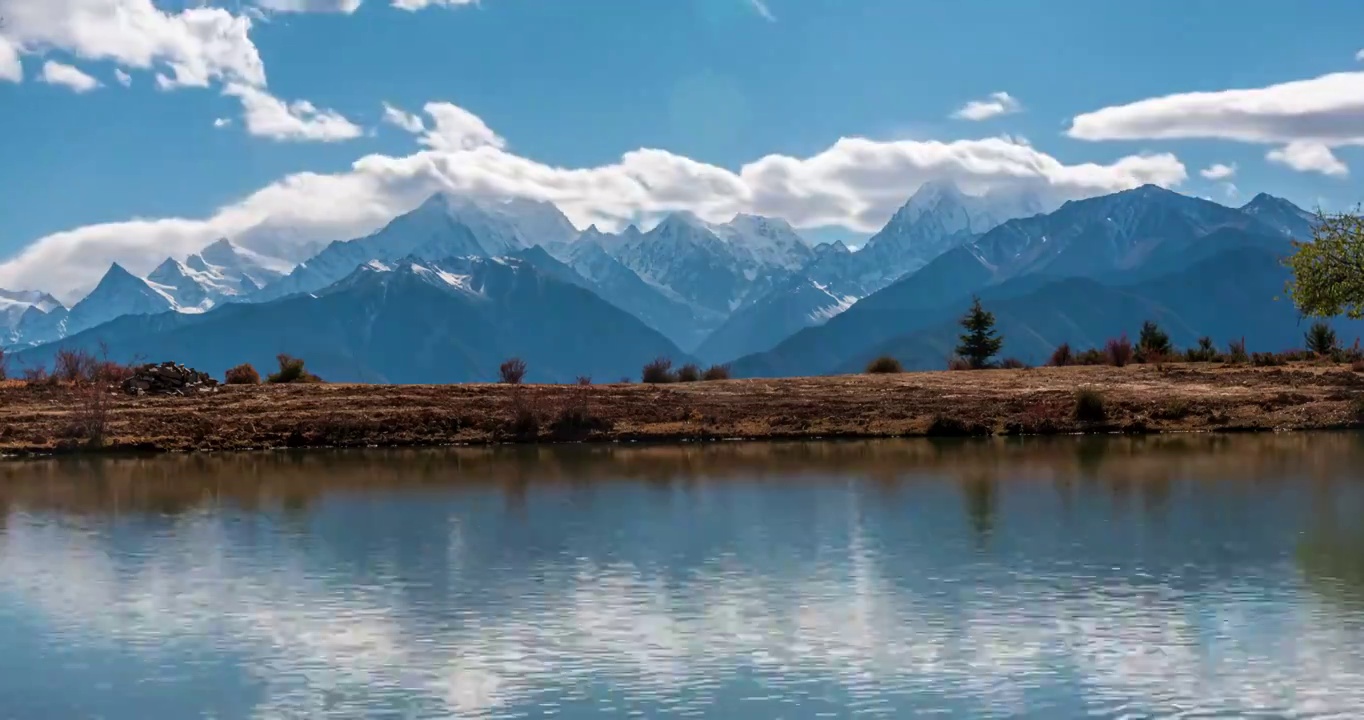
x=447 y=291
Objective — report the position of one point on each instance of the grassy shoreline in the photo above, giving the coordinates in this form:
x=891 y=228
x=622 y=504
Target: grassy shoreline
x=46 y=419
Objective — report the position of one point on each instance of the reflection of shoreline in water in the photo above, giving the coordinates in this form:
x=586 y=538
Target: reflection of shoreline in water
x=394 y=583
x=1145 y=465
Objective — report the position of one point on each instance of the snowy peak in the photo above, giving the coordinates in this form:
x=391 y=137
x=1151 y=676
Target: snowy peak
x=1282 y=215
x=20 y=308
x=119 y=293
x=766 y=241
x=218 y=273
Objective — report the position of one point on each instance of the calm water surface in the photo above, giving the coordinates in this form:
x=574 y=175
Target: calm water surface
x=1194 y=577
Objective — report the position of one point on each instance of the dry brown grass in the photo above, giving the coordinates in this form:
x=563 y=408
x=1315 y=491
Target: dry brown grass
x=1137 y=398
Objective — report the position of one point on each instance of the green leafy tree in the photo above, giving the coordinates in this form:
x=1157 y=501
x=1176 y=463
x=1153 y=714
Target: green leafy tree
x=1328 y=271
x=979 y=343
x=1153 y=342
x=1321 y=339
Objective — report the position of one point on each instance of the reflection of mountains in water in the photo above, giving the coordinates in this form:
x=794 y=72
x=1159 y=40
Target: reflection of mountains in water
x=405 y=579
x=1123 y=465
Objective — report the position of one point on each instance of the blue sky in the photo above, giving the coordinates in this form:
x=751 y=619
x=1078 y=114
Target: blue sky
x=567 y=84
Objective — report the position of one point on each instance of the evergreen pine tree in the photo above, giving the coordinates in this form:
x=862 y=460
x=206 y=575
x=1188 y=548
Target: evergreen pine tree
x=979 y=343
x=1321 y=339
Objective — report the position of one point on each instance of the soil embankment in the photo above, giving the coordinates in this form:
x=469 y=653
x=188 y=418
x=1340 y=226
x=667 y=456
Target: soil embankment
x=1042 y=401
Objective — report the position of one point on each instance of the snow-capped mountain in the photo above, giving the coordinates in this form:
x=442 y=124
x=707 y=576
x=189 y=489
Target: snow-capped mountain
x=119 y=293
x=937 y=218
x=220 y=272
x=441 y=227
x=14 y=303
x=765 y=241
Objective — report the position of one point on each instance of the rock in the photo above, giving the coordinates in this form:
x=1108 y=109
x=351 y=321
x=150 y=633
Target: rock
x=168 y=378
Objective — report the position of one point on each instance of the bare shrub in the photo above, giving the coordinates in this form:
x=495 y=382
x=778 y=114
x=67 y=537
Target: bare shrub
x=291 y=370
x=36 y=375
x=1013 y=363
x=74 y=366
x=1061 y=356
x=1236 y=352
x=884 y=365
x=1267 y=360
x=525 y=421
x=689 y=373
x=512 y=372
x=575 y=421
x=957 y=362
x=1118 y=351
x=1357 y=366
x=584 y=380
x=660 y=370
x=91 y=414
x=716 y=372
x=3 y=365
x=1090 y=406
x=243 y=374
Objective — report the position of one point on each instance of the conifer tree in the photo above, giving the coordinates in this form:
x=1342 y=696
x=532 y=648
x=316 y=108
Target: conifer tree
x=979 y=343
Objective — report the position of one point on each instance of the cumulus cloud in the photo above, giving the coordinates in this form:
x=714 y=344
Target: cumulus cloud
x=856 y=183
x=11 y=68
x=55 y=73
x=1360 y=56
x=267 y=116
x=403 y=119
x=1000 y=103
x=1307 y=117
x=1309 y=157
x=222 y=122
x=1218 y=171
x=123 y=78
x=193 y=47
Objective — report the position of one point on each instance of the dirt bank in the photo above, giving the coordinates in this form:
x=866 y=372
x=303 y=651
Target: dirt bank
x=1137 y=399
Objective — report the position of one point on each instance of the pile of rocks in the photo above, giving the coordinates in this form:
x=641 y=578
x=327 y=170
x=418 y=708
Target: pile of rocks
x=168 y=378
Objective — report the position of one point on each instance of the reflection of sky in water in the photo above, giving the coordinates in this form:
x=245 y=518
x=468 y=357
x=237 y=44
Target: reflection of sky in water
x=721 y=600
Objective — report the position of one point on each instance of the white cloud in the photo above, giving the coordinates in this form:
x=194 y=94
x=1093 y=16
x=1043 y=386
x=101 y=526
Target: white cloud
x=11 y=68
x=123 y=78
x=1219 y=171
x=856 y=182
x=1000 y=103
x=1307 y=117
x=1309 y=157
x=414 y=5
x=302 y=6
x=195 y=46
x=760 y=7
x=222 y=122
x=55 y=73
x=1360 y=56
x=457 y=129
x=1230 y=190
x=267 y=116
x=403 y=119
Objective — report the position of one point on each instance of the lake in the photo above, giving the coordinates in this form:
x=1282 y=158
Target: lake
x=1126 y=577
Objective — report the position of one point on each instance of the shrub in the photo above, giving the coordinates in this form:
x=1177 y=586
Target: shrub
x=73 y=365
x=1152 y=342
x=1236 y=351
x=1267 y=360
x=659 y=371
x=584 y=379
x=1089 y=406
x=1357 y=366
x=1321 y=339
x=1118 y=351
x=1061 y=356
x=525 y=422
x=716 y=372
x=575 y=422
x=91 y=415
x=688 y=373
x=2 y=364
x=956 y=363
x=291 y=370
x=884 y=365
x=1205 y=352
x=1092 y=356
x=36 y=375
x=1013 y=363
x=513 y=371
x=243 y=374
